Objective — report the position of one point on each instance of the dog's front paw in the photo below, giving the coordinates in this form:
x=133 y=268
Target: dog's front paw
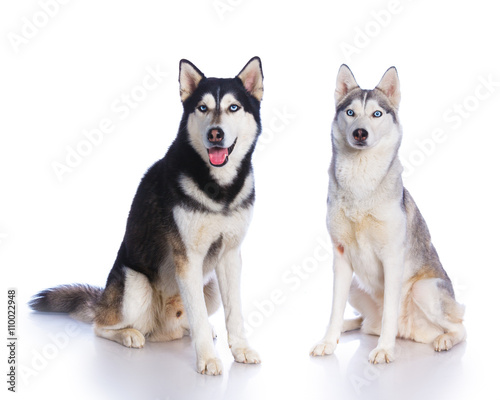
x=245 y=355
x=381 y=355
x=209 y=366
x=323 y=348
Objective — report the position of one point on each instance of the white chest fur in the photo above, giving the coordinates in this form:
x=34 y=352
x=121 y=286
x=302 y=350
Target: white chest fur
x=366 y=230
x=199 y=230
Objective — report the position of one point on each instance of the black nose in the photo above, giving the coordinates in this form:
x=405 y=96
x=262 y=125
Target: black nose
x=215 y=135
x=360 y=134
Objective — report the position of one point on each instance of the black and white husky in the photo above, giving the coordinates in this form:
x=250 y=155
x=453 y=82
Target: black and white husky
x=181 y=250
x=378 y=233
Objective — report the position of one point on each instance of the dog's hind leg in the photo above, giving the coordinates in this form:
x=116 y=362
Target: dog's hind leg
x=212 y=299
x=128 y=337
x=124 y=312
x=371 y=316
x=352 y=324
x=173 y=322
x=212 y=295
x=435 y=299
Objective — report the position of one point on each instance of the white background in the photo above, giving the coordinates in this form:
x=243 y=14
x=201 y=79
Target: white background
x=71 y=72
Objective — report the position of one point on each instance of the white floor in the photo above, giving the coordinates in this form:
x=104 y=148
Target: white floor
x=74 y=73
x=60 y=358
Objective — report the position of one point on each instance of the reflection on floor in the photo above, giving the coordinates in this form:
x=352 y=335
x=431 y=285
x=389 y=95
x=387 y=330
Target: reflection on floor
x=62 y=358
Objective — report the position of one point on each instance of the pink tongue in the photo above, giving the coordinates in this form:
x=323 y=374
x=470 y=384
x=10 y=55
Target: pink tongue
x=217 y=155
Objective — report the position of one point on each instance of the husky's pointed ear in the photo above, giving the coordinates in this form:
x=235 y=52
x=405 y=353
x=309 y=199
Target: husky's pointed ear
x=389 y=85
x=345 y=83
x=189 y=78
x=252 y=78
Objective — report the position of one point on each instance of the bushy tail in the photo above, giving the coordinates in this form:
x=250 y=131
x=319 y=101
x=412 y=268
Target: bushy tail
x=78 y=300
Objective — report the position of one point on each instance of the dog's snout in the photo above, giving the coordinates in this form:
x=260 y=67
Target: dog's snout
x=360 y=134
x=215 y=135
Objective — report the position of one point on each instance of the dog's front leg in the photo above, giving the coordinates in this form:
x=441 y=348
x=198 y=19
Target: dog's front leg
x=229 y=276
x=342 y=277
x=393 y=274
x=190 y=280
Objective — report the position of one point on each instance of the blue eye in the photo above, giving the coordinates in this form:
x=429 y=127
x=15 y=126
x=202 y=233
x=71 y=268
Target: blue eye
x=350 y=113
x=203 y=108
x=377 y=114
x=234 y=108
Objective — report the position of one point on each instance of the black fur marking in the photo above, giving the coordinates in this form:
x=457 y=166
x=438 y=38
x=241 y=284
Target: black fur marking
x=214 y=249
x=192 y=65
x=145 y=246
x=151 y=235
x=403 y=201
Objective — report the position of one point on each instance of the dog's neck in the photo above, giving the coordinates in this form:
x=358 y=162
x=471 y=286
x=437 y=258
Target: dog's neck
x=365 y=174
x=185 y=162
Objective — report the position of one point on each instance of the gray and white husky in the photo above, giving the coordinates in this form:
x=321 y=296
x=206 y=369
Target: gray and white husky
x=379 y=236
x=185 y=229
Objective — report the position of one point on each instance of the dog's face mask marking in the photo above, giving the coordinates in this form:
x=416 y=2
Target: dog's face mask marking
x=364 y=117
x=222 y=113
x=220 y=126
x=363 y=122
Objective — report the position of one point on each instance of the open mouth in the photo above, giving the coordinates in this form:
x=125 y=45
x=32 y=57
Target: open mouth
x=219 y=156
